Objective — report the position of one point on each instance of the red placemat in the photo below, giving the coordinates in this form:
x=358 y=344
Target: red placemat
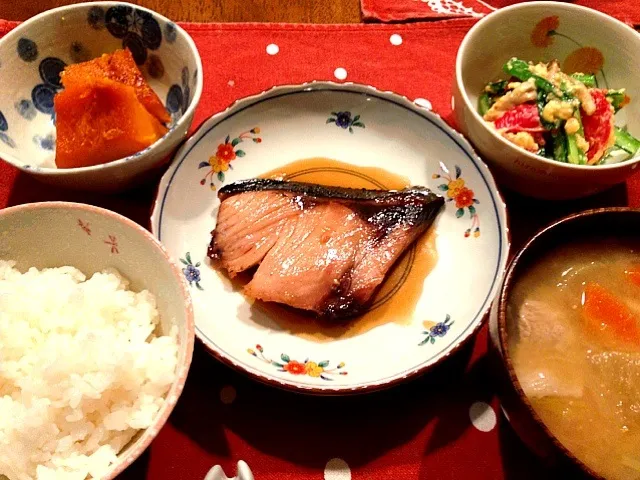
x=422 y=430
x=401 y=10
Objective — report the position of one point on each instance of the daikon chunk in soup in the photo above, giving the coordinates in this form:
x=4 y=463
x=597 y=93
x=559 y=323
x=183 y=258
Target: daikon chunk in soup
x=574 y=339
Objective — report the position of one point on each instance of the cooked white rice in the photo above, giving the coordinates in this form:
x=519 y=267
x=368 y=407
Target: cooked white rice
x=81 y=370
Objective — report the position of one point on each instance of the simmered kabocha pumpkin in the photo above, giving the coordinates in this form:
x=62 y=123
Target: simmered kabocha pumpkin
x=121 y=67
x=106 y=111
x=101 y=121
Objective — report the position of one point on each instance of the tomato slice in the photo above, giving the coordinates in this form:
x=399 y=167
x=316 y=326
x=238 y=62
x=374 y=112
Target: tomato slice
x=598 y=127
x=522 y=118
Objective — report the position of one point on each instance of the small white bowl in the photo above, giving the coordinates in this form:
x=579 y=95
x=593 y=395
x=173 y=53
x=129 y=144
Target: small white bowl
x=33 y=55
x=508 y=33
x=53 y=234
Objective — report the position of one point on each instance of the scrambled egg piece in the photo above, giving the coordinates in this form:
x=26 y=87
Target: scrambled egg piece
x=523 y=139
x=578 y=89
x=582 y=143
x=557 y=109
x=539 y=69
x=545 y=70
x=523 y=93
x=572 y=126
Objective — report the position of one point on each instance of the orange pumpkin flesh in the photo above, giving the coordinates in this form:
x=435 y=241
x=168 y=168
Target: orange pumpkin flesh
x=99 y=121
x=120 y=67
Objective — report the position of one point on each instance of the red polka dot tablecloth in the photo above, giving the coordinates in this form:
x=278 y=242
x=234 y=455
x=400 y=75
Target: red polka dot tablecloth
x=402 y=10
x=445 y=425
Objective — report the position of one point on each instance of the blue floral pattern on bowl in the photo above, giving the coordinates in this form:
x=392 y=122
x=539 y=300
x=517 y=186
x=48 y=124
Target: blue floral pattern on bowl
x=170 y=32
x=26 y=109
x=137 y=28
x=48 y=142
x=4 y=137
x=42 y=94
x=27 y=49
x=178 y=96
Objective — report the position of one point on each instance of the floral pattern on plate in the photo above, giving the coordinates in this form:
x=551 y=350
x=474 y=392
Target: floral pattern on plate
x=344 y=120
x=227 y=151
x=191 y=272
x=435 y=330
x=462 y=195
x=294 y=367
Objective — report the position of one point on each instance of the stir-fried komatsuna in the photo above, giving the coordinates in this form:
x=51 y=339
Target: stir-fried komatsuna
x=564 y=117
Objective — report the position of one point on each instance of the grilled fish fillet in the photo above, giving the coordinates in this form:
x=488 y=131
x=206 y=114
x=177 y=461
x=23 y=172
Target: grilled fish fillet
x=317 y=248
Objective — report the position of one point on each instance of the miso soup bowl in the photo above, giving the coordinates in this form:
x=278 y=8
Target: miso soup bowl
x=35 y=52
x=517 y=407
x=543 y=31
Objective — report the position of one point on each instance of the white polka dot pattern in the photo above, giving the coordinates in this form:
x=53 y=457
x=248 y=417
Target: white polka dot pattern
x=337 y=469
x=340 y=73
x=395 y=39
x=482 y=416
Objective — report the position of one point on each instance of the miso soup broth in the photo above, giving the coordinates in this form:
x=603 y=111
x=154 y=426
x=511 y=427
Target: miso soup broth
x=574 y=339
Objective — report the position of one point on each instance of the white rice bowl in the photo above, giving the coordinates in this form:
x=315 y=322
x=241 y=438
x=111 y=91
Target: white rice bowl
x=81 y=370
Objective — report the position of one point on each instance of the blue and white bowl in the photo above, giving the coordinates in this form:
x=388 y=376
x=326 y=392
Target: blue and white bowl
x=33 y=55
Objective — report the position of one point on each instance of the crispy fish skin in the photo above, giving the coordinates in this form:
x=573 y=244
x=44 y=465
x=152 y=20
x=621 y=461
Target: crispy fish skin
x=317 y=248
x=341 y=194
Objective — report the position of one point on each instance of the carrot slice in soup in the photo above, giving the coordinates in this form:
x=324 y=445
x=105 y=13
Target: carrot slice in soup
x=608 y=317
x=633 y=274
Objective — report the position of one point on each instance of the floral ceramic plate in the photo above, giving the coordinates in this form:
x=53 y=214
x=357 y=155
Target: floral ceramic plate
x=438 y=293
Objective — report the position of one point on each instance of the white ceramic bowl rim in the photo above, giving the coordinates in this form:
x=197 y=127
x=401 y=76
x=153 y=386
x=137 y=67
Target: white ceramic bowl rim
x=507 y=11
x=116 y=163
x=129 y=455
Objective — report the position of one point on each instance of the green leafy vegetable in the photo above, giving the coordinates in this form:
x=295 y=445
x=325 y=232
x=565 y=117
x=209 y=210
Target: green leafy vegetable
x=520 y=70
x=560 y=146
x=588 y=79
x=575 y=155
x=626 y=141
x=497 y=88
x=484 y=103
x=618 y=98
